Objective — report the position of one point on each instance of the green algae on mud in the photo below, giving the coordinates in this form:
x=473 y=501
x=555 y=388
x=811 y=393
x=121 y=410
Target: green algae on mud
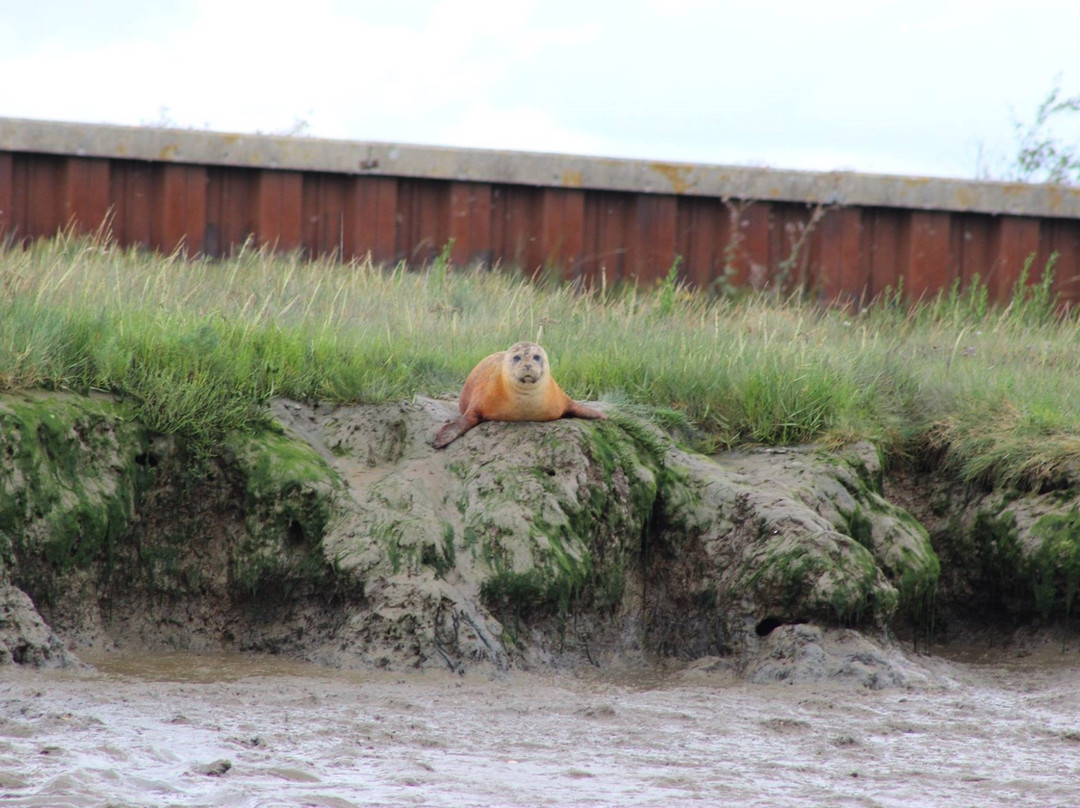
x=72 y=469
x=341 y=535
x=102 y=521
x=585 y=537
x=288 y=502
x=1027 y=551
x=1054 y=568
x=289 y=499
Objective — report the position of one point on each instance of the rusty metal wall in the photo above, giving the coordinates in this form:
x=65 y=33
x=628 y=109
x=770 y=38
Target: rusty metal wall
x=857 y=235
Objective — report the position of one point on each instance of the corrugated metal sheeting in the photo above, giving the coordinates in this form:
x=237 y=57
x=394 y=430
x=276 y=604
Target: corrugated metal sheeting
x=844 y=236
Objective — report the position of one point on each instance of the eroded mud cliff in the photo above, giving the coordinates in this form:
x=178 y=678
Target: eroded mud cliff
x=342 y=536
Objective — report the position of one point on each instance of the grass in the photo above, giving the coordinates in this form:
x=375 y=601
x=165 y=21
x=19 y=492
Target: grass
x=199 y=346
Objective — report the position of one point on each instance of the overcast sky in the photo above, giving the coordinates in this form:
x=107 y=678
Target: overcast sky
x=908 y=87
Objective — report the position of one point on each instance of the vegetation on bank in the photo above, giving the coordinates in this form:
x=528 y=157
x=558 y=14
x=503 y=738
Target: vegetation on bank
x=199 y=346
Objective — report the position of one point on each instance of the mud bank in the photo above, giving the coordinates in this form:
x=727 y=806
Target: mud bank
x=342 y=537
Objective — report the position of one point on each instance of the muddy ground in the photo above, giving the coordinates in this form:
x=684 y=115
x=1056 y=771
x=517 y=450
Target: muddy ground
x=988 y=727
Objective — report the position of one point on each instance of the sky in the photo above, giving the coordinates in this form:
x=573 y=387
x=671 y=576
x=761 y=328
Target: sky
x=910 y=87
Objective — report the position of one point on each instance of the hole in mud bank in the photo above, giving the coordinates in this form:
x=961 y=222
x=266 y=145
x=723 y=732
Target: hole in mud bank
x=147 y=459
x=295 y=534
x=766 y=627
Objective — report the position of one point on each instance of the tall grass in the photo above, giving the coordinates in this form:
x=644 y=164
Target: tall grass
x=199 y=346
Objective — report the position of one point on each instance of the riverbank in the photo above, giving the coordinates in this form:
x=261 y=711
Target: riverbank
x=235 y=454
x=342 y=537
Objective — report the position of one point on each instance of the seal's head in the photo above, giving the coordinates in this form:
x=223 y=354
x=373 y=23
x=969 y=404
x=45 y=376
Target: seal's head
x=526 y=363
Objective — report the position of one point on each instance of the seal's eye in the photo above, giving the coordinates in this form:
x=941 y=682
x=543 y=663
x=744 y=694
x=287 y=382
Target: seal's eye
x=517 y=357
x=536 y=358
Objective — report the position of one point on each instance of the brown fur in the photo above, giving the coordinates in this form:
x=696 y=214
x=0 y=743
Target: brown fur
x=512 y=385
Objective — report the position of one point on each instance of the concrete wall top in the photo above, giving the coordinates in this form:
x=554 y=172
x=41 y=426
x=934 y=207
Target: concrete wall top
x=530 y=168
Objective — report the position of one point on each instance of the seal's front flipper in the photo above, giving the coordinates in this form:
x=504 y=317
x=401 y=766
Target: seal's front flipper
x=455 y=429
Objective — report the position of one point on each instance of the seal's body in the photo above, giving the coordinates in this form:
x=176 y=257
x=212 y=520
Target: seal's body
x=512 y=385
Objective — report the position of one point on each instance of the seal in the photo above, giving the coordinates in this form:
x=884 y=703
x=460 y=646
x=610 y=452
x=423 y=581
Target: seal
x=512 y=385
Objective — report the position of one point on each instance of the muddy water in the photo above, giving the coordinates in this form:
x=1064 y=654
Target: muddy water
x=221 y=730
